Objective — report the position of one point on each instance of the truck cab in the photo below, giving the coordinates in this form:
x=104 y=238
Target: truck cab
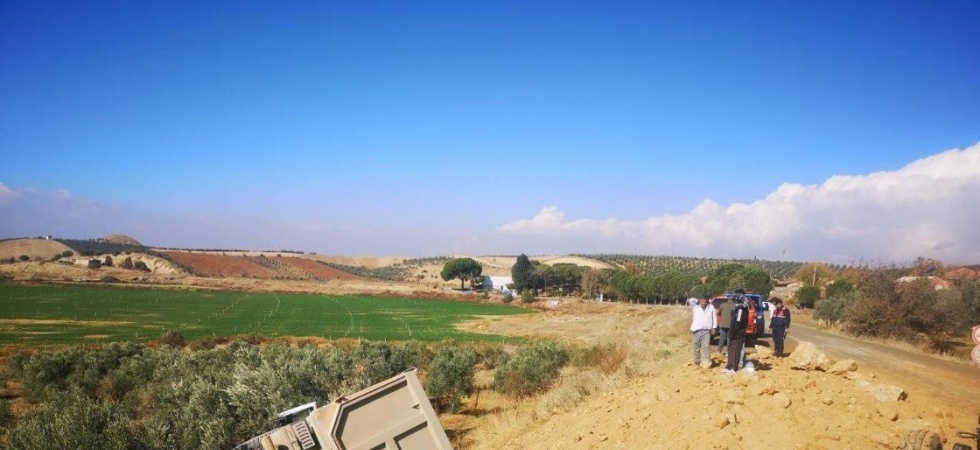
x=756 y=305
x=757 y=316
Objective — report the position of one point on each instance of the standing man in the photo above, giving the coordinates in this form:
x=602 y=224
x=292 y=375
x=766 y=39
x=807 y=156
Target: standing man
x=703 y=324
x=724 y=323
x=736 y=334
x=779 y=325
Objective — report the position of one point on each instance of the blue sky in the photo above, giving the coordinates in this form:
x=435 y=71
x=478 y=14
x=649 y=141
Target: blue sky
x=433 y=128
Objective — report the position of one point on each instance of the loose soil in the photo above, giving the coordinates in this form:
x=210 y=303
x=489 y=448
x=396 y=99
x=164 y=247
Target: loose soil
x=660 y=400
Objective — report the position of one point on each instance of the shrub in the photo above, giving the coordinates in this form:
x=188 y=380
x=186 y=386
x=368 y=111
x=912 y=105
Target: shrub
x=508 y=297
x=72 y=421
x=527 y=296
x=807 y=296
x=839 y=288
x=488 y=355
x=450 y=377
x=25 y=258
x=834 y=309
x=530 y=369
x=873 y=312
x=376 y=361
x=607 y=357
x=67 y=253
x=208 y=343
x=173 y=339
x=6 y=416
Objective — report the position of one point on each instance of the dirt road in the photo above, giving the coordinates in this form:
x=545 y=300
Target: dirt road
x=954 y=383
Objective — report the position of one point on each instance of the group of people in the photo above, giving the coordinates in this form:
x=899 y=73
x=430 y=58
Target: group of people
x=730 y=322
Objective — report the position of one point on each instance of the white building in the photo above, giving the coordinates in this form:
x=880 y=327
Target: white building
x=497 y=283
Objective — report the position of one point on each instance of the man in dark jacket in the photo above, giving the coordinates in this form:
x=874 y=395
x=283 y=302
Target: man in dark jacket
x=724 y=323
x=736 y=334
x=779 y=325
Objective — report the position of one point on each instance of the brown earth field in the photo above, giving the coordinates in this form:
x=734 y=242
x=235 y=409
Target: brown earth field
x=646 y=394
x=269 y=267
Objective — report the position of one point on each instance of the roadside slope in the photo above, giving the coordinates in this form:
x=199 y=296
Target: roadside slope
x=661 y=401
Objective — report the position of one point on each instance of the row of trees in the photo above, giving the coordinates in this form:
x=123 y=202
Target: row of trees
x=699 y=267
x=633 y=285
x=125 y=396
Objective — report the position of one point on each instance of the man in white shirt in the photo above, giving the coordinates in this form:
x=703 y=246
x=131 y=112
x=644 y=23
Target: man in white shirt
x=703 y=325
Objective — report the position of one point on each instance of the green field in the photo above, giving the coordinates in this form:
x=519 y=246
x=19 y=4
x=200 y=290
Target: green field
x=40 y=315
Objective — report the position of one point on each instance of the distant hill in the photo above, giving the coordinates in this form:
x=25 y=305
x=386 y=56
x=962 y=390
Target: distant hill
x=121 y=239
x=36 y=249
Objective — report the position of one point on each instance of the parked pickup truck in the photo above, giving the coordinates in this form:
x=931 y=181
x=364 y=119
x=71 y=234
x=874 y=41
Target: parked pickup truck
x=757 y=306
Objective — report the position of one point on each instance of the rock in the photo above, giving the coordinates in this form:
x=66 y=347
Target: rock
x=731 y=397
x=765 y=387
x=807 y=357
x=828 y=436
x=763 y=352
x=721 y=422
x=663 y=396
x=880 y=391
x=827 y=400
x=843 y=366
x=887 y=412
x=745 y=378
x=781 y=400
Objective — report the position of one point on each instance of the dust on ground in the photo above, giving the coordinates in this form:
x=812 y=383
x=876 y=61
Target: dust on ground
x=659 y=400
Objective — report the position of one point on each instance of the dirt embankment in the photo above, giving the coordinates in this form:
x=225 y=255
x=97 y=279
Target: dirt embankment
x=659 y=400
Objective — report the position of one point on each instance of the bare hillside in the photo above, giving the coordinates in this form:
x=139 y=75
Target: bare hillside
x=34 y=248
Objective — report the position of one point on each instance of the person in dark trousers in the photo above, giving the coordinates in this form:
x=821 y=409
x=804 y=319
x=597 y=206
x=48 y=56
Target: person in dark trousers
x=724 y=323
x=779 y=325
x=736 y=334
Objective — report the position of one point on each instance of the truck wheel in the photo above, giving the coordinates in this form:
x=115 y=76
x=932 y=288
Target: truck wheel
x=922 y=440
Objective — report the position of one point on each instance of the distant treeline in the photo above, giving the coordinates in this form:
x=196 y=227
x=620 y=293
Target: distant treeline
x=390 y=273
x=90 y=247
x=699 y=267
x=231 y=250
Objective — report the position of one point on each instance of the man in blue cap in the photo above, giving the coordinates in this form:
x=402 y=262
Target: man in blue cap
x=736 y=333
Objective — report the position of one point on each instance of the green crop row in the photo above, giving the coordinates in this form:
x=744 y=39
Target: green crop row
x=55 y=314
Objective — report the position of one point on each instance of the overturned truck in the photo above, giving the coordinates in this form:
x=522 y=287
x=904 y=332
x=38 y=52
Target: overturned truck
x=394 y=414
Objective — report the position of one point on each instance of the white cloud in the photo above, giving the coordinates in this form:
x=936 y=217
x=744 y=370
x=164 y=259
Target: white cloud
x=7 y=194
x=930 y=207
